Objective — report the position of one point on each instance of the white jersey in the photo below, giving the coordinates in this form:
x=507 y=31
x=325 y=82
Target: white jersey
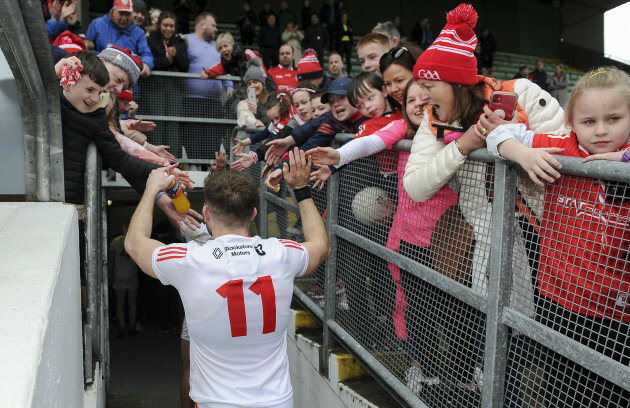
x=237 y=293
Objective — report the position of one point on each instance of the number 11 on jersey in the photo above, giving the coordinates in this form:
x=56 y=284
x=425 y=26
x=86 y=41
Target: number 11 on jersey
x=233 y=292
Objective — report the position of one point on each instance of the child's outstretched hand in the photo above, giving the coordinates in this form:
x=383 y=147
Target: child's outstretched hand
x=161 y=151
x=142 y=125
x=241 y=144
x=219 y=163
x=273 y=180
x=612 y=156
x=277 y=148
x=321 y=176
x=538 y=164
x=323 y=156
x=245 y=161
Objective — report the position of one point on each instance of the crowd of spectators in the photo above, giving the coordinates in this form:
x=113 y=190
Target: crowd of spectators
x=293 y=101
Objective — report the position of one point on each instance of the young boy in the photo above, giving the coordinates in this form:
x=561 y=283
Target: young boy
x=370 y=49
x=83 y=121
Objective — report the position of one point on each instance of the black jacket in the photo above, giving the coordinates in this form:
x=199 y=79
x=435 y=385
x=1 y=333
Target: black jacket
x=160 y=62
x=81 y=129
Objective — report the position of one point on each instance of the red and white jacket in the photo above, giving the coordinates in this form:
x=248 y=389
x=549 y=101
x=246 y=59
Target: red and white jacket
x=584 y=236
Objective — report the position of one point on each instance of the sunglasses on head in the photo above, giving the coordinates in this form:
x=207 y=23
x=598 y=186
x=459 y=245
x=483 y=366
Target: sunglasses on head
x=398 y=52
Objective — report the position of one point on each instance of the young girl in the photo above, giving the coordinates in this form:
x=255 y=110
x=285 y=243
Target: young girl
x=410 y=235
x=301 y=100
x=583 y=274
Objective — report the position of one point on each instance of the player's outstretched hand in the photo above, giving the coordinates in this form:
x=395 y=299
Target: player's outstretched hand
x=219 y=163
x=299 y=173
x=160 y=178
x=323 y=156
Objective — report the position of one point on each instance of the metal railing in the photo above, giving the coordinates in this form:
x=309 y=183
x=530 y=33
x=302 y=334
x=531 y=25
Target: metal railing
x=193 y=116
x=488 y=315
x=96 y=332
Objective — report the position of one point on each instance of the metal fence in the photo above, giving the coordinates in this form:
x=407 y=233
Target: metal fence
x=193 y=116
x=447 y=302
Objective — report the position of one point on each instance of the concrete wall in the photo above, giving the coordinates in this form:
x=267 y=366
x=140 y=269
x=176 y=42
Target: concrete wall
x=40 y=310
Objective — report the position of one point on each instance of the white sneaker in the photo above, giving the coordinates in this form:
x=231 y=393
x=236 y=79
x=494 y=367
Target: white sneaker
x=414 y=377
x=478 y=378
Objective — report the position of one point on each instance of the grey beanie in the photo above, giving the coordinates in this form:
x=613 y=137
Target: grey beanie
x=255 y=71
x=125 y=59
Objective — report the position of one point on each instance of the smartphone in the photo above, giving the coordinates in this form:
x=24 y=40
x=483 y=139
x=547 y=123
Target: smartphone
x=251 y=95
x=503 y=104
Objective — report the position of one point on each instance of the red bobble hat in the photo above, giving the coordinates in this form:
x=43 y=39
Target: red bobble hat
x=126 y=94
x=451 y=57
x=70 y=42
x=308 y=67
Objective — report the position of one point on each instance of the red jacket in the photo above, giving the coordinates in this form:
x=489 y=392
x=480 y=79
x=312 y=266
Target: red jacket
x=584 y=244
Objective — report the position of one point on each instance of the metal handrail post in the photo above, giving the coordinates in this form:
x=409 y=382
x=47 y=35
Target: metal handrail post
x=91 y=254
x=104 y=291
x=330 y=286
x=499 y=283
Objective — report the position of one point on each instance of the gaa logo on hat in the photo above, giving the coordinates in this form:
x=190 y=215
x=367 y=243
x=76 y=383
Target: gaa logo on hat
x=124 y=5
x=427 y=74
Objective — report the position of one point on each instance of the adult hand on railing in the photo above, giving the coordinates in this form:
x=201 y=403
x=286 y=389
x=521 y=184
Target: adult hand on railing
x=323 y=156
x=259 y=124
x=142 y=125
x=245 y=161
x=146 y=71
x=205 y=74
x=277 y=148
x=161 y=151
x=219 y=163
x=241 y=144
x=321 y=176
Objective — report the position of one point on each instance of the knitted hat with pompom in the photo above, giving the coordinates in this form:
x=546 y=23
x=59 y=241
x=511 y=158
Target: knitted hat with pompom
x=451 y=57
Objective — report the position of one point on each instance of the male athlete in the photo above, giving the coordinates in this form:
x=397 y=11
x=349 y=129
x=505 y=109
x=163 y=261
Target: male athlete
x=236 y=289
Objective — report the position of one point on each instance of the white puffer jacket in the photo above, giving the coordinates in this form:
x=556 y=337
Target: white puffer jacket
x=432 y=164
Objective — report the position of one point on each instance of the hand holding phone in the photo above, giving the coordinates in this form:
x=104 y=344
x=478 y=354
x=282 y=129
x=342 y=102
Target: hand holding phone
x=251 y=95
x=503 y=104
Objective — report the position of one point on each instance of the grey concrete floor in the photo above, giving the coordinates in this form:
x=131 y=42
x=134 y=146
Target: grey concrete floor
x=145 y=370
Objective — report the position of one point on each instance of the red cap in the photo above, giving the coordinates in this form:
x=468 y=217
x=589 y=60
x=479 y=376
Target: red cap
x=126 y=94
x=124 y=5
x=451 y=57
x=70 y=42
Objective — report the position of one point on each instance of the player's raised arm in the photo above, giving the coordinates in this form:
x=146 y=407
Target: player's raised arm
x=138 y=242
x=297 y=178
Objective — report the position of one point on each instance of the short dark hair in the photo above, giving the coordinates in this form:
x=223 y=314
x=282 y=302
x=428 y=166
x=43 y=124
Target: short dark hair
x=231 y=197
x=361 y=83
x=203 y=16
x=93 y=67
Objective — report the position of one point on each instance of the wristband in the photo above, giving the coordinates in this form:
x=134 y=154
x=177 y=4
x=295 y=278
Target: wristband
x=625 y=157
x=459 y=148
x=145 y=144
x=254 y=155
x=303 y=193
